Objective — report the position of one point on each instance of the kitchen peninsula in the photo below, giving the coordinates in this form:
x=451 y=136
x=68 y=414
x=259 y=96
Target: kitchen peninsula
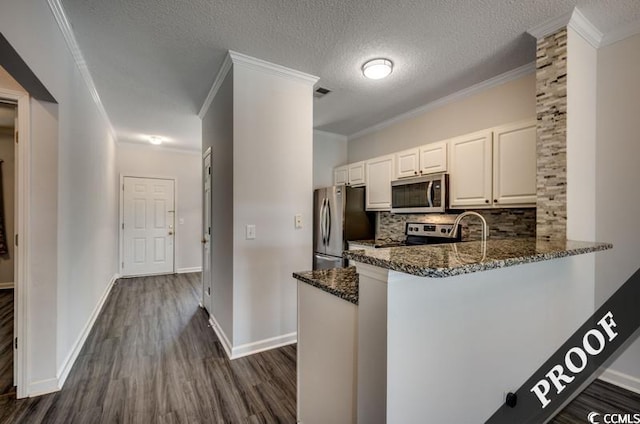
x=465 y=323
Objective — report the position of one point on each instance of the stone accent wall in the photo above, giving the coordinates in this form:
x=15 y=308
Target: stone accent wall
x=503 y=223
x=551 y=110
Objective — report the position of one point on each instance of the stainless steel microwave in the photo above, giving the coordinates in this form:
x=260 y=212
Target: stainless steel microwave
x=420 y=194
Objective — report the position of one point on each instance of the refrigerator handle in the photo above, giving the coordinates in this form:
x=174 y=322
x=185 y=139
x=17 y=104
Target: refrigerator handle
x=323 y=221
x=328 y=213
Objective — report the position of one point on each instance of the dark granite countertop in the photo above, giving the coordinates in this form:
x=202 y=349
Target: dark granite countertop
x=341 y=282
x=445 y=260
x=378 y=243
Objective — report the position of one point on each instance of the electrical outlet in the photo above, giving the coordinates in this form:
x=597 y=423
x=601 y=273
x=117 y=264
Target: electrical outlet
x=250 y=232
x=298 y=221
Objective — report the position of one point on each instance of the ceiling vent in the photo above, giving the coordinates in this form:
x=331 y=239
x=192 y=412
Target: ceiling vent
x=321 y=92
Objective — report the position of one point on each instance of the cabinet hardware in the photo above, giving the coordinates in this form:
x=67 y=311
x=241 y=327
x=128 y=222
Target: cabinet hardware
x=486 y=201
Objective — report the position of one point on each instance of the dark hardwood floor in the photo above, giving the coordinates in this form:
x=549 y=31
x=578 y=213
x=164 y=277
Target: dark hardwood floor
x=600 y=397
x=151 y=358
x=6 y=343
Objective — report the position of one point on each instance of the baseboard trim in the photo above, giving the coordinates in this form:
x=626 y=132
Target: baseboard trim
x=67 y=364
x=43 y=387
x=4 y=286
x=622 y=380
x=221 y=335
x=262 y=345
x=190 y=269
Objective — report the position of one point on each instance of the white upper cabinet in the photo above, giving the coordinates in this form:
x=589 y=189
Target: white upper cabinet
x=352 y=174
x=341 y=175
x=494 y=168
x=427 y=159
x=407 y=163
x=379 y=175
x=433 y=157
x=357 y=174
x=470 y=170
x=514 y=164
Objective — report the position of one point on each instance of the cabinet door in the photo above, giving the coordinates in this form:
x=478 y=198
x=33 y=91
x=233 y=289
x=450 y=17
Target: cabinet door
x=470 y=173
x=407 y=163
x=433 y=158
x=514 y=164
x=357 y=174
x=379 y=175
x=341 y=175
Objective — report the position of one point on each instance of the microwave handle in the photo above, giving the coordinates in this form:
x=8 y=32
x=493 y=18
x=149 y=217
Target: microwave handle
x=429 y=193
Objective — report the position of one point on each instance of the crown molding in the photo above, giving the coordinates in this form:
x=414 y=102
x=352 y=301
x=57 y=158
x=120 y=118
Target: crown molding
x=271 y=68
x=620 y=33
x=511 y=75
x=551 y=26
x=217 y=83
x=585 y=28
x=74 y=48
x=574 y=20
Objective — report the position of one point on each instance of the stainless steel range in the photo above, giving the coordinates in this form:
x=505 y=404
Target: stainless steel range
x=419 y=233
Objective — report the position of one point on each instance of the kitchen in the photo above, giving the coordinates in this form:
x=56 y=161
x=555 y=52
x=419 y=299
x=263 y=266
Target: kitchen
x=509 y=103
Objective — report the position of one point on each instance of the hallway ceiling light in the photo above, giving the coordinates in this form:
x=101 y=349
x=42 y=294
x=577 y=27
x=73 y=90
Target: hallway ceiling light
x=154 y=139
x=377 y=68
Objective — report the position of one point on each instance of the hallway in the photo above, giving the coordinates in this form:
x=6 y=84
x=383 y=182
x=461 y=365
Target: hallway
x=151 y=358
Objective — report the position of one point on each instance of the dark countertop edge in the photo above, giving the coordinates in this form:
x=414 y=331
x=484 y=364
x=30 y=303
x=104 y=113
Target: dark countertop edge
x=318 y=284
x=361 y=256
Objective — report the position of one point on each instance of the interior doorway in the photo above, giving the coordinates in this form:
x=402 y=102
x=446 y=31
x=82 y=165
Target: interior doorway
x=8 y=134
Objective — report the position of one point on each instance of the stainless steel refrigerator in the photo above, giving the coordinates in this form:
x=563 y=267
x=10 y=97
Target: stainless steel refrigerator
x=339 y=215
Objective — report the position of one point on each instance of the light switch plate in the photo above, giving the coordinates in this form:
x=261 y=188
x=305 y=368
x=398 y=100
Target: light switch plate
x=251 y=232
x=298 y=221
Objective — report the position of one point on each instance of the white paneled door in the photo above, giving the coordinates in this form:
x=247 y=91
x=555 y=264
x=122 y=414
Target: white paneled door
x=148 y=226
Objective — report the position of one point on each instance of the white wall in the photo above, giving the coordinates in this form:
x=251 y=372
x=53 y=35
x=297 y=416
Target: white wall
x=329 y=151
x=186 y=167
x=617 y=177
x=217 y=134
x=273 y=181
x=73 y=239
x=582 y=63
x=512 y=101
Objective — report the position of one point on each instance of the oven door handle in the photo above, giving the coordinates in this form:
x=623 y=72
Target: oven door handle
x=429 y=193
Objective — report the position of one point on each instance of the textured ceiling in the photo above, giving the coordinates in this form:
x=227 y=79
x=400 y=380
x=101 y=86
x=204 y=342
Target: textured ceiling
x=153 y=61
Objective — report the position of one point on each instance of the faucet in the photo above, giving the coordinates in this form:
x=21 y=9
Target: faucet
x=485 y=227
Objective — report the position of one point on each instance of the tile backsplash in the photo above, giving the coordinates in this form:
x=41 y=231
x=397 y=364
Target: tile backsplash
x=503 y=223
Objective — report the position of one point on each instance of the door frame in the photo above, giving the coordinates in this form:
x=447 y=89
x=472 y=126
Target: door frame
x=176 y=233
x=204 y=156
x=21 y=281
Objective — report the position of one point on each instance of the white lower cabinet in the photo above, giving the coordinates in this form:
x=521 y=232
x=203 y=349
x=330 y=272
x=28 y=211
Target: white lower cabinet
x=327 y=357
x=379 y=173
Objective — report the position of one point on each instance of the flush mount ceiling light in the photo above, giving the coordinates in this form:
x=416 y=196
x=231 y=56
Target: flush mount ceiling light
x=154 y=139
x=377 y=68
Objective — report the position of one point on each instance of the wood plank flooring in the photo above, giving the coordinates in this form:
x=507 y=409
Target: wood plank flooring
x=6 y=342
x=152 y=358
x=600 y=397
